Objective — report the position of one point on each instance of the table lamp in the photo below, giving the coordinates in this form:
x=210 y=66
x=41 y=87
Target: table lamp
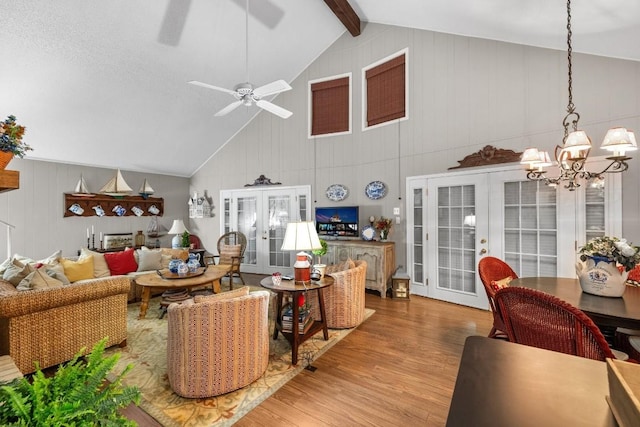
x=177 y=228
x=301 y=236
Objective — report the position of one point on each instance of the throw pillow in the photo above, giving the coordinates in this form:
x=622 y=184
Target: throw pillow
x=81 y=269
x=38 y=279
x=100 y=267
x=122 y=262
x=51 y=259
x=182 y=254
x=149 y=260
x=502 y=283
x=346 y=265
x=5 y=264
x=227 y=252
x=16 y=272
x=240 y=292
x=57 y=272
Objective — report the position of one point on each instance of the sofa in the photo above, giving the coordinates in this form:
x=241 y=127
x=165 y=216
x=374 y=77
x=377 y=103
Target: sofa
x=51 y=324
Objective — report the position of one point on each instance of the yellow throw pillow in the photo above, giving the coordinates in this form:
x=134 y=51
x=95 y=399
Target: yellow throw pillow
x=78 y=270
x=240 y=292
x=100 y=267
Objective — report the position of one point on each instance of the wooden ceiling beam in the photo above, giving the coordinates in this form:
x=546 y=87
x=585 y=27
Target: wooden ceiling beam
x=346 y=15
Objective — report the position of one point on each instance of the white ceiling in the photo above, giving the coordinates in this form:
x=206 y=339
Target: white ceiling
x=103 y=83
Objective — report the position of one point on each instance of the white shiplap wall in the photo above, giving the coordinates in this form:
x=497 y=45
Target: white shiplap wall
x=37 y=208
x=465 y=93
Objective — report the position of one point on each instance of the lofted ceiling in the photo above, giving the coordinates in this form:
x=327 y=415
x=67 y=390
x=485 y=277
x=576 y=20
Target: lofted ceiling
x=104 y=83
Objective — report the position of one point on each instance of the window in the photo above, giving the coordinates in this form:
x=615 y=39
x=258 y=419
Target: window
x=385 y=91
x=330 y=106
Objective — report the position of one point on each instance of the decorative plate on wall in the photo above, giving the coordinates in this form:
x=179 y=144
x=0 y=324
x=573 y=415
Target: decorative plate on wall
x=337 y=192
x=368 y=232
x=375 y=190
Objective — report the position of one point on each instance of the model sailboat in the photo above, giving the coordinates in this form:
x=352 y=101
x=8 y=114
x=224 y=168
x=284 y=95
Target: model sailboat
x=145 y=189
x=116 y=187
x=81 y=189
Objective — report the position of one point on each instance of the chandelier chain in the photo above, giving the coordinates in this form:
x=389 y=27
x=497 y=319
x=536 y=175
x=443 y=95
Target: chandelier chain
x=570 y=106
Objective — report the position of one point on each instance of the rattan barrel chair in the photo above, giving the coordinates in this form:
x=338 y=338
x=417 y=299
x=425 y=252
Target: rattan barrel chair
x=493 y=270
x=538 y=319
x=231 y=247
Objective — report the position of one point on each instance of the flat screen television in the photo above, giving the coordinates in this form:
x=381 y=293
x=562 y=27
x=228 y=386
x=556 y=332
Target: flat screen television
x=337 y=221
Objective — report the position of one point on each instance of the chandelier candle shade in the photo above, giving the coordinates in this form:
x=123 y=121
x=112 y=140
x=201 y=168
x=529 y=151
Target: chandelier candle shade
x=301 y=236
x=576 y=145
x=177 y=228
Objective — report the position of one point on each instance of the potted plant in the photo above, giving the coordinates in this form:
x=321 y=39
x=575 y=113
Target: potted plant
x=186 y=243
x=319 y=253
x=78 y=394
x=11 y=143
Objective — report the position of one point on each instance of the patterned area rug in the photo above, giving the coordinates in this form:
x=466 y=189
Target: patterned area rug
x=146 y=350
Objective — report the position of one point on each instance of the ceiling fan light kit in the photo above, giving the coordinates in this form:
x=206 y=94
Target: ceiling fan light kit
x=245 y=93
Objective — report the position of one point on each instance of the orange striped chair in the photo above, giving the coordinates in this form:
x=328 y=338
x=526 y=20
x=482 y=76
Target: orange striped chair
x=218 y=343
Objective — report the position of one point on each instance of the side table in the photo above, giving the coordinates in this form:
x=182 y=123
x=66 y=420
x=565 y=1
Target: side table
x=295 y=289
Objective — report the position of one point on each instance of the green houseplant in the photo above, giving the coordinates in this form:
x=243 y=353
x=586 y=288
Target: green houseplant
x=185 y=240
x=319 y=253
x=79 y=394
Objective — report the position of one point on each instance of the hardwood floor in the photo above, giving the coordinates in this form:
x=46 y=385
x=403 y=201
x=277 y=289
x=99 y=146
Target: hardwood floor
x=397 y=368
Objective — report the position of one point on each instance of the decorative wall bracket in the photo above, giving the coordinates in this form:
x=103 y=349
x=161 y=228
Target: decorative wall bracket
x=262 y=180
x=489 y=155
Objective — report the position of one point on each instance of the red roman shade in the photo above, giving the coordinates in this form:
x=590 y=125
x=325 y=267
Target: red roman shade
x=386 y=91
x=330 y=106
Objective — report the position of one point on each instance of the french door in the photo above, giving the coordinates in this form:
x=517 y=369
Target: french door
x=262 y=215
x=455 y=219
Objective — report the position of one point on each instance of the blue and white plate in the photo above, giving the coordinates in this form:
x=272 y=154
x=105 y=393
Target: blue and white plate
x=376 y=190
x=368 y=232
x=337 y=192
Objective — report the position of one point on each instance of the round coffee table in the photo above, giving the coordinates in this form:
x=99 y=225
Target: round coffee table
x=153 y=281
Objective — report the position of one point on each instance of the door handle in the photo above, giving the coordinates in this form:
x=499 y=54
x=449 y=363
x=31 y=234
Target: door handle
x=483 y=251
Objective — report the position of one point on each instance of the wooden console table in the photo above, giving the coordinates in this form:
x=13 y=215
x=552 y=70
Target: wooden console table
x=380 y=258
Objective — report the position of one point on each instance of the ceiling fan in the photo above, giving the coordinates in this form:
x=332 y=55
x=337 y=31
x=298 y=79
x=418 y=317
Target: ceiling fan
x=245 y=93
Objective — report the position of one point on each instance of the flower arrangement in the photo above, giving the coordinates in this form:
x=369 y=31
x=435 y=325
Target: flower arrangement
x=383 y=224
x=11 y=135
x=613 y=249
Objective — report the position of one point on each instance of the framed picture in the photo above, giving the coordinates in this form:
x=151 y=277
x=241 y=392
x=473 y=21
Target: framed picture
x=118 y=240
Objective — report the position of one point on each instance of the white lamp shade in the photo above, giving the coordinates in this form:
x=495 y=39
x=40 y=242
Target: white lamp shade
x=531 y=156
x=632 y=138
x=301 y=236
x=177 y=227
x=617 y=139
x=577 y=141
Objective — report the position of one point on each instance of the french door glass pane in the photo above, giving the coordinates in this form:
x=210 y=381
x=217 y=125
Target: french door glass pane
x=594 y=209
x=247 y=215
x=418 y=233
x=278 y=219
x=456 y=240
x=530 y=232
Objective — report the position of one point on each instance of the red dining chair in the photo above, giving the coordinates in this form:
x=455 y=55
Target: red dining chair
x=537 y=319
x=493 y=271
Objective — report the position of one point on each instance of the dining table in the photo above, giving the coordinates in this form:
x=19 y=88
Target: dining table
x=606 y=312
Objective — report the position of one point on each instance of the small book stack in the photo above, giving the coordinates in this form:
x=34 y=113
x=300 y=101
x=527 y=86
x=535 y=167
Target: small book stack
x=304 y=320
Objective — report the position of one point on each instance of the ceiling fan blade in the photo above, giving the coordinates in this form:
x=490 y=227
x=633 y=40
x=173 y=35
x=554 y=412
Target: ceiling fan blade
x=229 y=108
x=271 y=88
x=208 y=86
x=173 y=22
x=268 y=13
x=273 y=108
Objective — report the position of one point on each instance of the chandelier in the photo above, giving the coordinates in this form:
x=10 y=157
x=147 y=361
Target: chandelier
x=571 y=157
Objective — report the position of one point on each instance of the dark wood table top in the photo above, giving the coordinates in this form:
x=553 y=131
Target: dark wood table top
x=506 y=384
x=605 y=311
x=293 y=286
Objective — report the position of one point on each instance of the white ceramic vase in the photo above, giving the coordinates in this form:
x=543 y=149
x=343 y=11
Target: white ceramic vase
x=321 y=268
x=601 y=278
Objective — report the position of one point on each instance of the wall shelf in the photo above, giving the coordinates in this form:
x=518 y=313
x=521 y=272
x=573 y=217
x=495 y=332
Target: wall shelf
x=108 y=203
x=9 y=180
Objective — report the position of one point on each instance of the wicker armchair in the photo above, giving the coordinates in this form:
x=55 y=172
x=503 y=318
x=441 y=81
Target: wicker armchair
x=344 y=300
x=492 y=269
x=217 y=344
x=231 y=247
x=541 y=320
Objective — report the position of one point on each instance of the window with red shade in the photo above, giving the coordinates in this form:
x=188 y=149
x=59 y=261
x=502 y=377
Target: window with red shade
x=385 y=90
x=330 y=105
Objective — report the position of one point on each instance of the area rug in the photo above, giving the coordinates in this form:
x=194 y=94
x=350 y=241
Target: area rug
x=146 y=351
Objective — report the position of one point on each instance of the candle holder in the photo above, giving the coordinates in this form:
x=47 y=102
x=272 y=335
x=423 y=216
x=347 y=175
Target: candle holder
x=88 y=241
